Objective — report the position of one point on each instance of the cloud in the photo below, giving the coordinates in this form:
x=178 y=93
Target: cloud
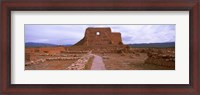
x=70 y=34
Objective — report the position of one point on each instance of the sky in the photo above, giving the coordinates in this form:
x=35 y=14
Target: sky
x=71 y=34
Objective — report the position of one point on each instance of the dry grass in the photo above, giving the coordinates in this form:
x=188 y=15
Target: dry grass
x=88 y=65
x=132 y=61
x=122 y=62
x=50 y=65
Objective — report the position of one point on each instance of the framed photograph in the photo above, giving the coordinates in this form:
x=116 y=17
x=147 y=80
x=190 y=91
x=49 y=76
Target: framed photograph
x=137 y=47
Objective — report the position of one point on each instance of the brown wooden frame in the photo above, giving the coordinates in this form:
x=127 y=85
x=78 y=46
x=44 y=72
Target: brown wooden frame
x=98 y=5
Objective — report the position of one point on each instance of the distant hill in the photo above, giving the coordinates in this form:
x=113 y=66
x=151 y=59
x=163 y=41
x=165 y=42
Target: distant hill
x=140 y=45
x=167 y=44
x=33 y=44
x=67 y=45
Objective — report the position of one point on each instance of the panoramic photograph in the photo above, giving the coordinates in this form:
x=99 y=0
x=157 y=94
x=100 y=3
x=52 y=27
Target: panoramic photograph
x=99 y=47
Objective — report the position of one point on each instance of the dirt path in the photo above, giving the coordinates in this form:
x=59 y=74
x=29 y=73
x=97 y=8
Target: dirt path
x=98 y=63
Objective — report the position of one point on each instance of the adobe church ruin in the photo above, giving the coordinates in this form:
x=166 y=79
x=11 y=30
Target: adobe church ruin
x=100 y=36
x=100 y=40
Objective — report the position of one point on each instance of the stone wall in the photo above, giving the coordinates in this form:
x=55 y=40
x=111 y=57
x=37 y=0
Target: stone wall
x=47 y=50
x=80 y=63
x=30 y=57
x=161 y=58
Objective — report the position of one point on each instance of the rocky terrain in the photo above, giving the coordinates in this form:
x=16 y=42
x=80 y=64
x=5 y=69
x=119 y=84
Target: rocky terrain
x=114 y=58
x=100 y=49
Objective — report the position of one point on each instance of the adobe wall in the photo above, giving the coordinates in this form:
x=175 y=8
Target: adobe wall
x=30 y=57
x=116 y=38
x=49 y=50
x=100 y=36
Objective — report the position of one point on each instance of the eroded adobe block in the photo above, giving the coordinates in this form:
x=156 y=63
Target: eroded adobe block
x=100 y=36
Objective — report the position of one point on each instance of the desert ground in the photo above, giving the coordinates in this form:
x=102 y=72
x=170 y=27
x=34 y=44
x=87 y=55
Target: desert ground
x=109 y=58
